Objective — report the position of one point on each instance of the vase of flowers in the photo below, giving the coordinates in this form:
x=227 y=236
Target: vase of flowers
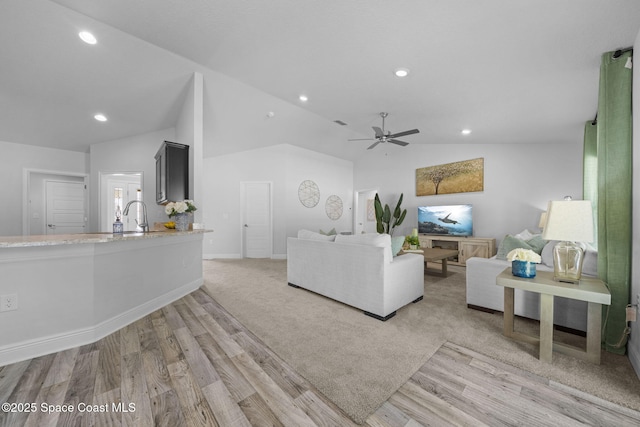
x=181 y=212
x=523 y=262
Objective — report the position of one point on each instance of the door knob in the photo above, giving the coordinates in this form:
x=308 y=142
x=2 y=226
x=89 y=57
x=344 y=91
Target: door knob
x=246 y=225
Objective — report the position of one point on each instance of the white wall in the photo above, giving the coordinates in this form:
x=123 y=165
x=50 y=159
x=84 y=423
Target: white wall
x=285 y=166
x=189 y=131
x=128 y=155
x=633 y=346
x=15 y=158
x=519 y=180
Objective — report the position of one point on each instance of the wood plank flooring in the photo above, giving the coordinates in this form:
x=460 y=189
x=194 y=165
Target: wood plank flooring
x=193 y=364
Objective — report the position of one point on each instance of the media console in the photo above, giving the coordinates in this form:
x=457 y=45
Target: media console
x=467 y=247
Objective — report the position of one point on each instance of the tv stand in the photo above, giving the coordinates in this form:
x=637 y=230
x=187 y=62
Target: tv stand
x=467 y=247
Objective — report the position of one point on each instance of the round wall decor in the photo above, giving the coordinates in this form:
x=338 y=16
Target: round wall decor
x=333 y=207
x=308 y=193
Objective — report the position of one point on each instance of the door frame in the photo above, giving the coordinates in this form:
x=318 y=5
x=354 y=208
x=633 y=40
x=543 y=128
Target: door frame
x=242 y=218
x=26 y=192
x=357 y=209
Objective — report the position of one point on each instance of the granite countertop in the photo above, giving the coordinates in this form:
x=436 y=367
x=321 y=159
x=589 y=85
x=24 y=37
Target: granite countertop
x=73 y=239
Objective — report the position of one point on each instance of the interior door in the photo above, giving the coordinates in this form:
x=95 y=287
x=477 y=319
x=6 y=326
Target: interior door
x=364 y=215
x=256 y=224
x=65 y=207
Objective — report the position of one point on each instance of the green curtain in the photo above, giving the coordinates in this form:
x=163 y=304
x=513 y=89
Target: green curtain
x=614 y=142
x=590 y=171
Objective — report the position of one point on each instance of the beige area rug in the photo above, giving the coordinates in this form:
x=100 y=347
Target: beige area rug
x=358 y=362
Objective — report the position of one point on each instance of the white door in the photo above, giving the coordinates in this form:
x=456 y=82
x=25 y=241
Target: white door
x=119 y=190
x=256 y=221
x=65 y=207
x=364 y=215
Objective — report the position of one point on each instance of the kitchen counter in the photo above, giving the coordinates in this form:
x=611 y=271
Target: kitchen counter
x=71 y=290
x=72 y=239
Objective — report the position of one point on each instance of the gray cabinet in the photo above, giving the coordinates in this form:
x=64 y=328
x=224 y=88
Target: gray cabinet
x=172 y=172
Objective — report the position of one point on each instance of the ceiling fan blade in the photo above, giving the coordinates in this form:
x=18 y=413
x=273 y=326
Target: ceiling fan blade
x=397 y=141
x=361 y=139
x=373 y=145
x=406 y=132
x=378 y=131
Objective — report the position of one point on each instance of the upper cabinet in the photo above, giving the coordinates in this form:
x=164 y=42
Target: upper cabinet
x=172 y=172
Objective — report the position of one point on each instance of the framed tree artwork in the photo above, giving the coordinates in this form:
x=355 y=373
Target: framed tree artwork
x=458 y=177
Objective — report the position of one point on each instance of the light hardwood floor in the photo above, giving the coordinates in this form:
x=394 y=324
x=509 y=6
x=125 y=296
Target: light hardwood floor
x=192 y=364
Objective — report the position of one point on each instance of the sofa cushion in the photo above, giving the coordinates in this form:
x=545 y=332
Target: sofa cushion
x=370 y=239
x=312 y=235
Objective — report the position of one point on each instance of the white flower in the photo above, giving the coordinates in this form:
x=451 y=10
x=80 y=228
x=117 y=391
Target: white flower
x=168 y=209
x=174 y=208
x=521 y=254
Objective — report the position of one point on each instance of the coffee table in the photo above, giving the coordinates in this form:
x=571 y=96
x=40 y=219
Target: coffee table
x=437 y=254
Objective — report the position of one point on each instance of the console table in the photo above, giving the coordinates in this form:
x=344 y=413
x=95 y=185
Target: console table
x=590 y=289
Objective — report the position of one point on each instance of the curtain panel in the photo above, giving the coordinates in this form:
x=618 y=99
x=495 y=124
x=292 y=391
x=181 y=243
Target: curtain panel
x=614 y=171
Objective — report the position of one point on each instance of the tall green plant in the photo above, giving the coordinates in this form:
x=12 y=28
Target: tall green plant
x=384 y=224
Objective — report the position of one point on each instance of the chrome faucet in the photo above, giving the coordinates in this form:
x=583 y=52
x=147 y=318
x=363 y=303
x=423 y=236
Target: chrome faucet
x=145 y=223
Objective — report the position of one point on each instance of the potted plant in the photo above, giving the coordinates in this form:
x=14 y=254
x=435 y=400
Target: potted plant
x=412 y=241
x=386 y=221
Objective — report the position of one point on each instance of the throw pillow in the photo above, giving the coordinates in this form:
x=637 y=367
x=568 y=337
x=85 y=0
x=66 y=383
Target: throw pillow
x=537 y=243
x=329 y=233
x=524 y=235
x=510 y=243
x=312 y=235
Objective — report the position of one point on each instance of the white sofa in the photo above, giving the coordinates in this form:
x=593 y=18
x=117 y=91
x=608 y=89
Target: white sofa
x=484 y=294
x=358 y=270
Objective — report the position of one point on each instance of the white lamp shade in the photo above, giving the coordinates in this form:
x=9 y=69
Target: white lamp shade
x=570 y=221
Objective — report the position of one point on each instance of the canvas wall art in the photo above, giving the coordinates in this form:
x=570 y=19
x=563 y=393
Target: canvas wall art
x=458 y=177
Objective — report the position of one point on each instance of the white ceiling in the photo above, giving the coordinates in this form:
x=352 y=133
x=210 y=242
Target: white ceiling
x=512 y=71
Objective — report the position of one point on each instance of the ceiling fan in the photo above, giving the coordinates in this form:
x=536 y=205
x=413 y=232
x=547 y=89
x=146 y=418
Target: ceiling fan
x=381 y=136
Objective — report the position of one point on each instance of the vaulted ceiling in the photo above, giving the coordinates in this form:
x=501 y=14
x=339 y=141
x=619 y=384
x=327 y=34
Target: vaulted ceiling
x=511 y=71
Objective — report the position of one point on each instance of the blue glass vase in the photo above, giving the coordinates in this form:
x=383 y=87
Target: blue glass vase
x=524 y=269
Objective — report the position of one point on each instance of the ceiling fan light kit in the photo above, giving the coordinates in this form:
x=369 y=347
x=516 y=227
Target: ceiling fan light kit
x=381 y=136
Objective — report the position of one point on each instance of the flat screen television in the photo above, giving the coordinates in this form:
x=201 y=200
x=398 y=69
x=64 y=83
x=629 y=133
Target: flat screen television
x=452 y=220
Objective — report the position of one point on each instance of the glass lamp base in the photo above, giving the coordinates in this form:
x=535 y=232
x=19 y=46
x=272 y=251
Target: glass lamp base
x=567 y=262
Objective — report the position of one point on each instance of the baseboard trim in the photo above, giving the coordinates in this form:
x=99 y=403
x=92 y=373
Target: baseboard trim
x=54 y=343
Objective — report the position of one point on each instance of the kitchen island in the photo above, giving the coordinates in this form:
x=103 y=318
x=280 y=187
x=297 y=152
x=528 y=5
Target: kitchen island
x=71 y=290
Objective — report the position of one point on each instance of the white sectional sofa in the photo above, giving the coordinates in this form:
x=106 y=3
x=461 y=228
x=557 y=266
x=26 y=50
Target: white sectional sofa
x=484 y=294
x=358 y=270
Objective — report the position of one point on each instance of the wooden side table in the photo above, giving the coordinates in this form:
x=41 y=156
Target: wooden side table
x=590 y=289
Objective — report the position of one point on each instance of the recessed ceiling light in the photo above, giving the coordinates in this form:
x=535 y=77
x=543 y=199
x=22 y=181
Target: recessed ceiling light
x=100 y=117
x=87 y=37
x=401 y=72
x=303 y=98
x=466 y=131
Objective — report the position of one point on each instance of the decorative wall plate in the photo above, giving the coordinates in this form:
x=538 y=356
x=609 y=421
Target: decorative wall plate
x=333 y=207
x=308 y=193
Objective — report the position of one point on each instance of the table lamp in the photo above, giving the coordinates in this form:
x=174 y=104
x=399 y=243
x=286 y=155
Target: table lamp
x=568 y=221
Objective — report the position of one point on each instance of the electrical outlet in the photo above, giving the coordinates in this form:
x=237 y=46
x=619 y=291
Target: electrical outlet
x=8 y=302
